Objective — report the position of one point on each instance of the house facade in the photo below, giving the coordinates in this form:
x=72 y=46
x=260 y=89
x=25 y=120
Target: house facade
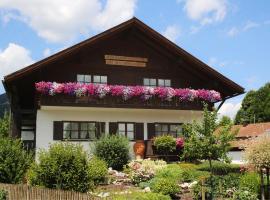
x=128 y=80
x=245 y=134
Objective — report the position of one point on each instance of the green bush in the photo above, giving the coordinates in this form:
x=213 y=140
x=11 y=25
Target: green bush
x=142 y=196
x=97 y=170
x=220 y=168
x=172 y=171
x=114 y=150
x=63 y=166
x=3 y=194
x=196 y=191
x=189 y=175
x=14 y=161
x=245 y=194
x=251 y=181
x=165 y=144
x=164 y=186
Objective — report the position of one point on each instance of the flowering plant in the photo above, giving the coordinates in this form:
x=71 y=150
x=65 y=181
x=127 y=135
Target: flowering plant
x=126 y=92
x=144 y=170
x=179 y=143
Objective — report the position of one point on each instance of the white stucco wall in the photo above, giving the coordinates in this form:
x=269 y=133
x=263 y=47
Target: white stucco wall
x=47 y=114
x=236 y=157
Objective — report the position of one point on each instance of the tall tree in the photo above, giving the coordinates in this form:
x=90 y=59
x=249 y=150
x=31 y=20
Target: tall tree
x=207 y=140
x=225 y=120
x=255 y=106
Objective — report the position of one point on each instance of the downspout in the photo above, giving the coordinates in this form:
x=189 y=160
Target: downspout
x=219 y=106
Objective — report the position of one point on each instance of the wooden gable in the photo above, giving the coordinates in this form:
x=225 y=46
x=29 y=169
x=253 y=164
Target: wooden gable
x=126 y=54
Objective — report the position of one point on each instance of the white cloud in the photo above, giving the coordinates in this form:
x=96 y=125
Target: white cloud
x=62 y=20
x=47 y=52
x=247 y=26
x=206 y=11
x=13 y=58
x=229 y=109
x=250 y=25
x=172 y=32
x=233 y=31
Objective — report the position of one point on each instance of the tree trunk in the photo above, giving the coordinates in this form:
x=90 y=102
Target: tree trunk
x=262 y=185
x=268 y=188
x=211 y=178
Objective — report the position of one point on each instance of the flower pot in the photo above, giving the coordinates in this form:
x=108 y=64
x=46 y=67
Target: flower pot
x=139 y=149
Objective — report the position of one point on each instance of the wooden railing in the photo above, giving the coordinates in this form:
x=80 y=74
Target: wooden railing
x=116 y=102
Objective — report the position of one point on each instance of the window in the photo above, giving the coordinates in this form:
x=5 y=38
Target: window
x=156 y=82
x=79 y=130
x=164 y=82
x=83 y=78
x=150 y=82
x=164 y=129
x=100 y=79
x=126 y=129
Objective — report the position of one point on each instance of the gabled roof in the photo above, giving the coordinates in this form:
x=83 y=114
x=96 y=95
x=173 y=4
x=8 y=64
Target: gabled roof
x=246 y=133
x=170 y=46
x=252 y=130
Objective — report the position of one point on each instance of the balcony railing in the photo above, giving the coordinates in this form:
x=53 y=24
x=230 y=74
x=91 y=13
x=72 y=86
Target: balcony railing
x=115 y=102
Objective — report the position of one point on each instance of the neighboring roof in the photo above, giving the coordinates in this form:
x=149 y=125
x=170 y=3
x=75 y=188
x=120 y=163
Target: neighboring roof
x=170 y=46
x=252 y=130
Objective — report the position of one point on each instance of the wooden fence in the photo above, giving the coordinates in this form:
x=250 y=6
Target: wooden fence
x=25 y=192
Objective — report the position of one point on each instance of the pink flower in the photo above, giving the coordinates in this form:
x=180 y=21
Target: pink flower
x=179 y=143
x=91 y=89
x=126 y=92
x=43 y=87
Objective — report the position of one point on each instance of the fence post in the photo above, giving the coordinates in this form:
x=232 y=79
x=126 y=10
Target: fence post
x=262 y=185
x=203 y=190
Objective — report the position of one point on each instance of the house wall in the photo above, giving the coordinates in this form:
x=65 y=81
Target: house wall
x=46 y=115
x=236 y=157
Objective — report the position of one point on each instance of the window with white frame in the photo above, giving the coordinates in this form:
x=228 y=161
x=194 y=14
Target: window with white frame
x=100 y=79
x=126 y=129
x=150 y=82
x=83 y=78
x=164 y=82
x=79 y=130
x=168 y=129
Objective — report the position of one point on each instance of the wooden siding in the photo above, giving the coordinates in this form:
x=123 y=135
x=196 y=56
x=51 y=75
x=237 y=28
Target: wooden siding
x=114 y=102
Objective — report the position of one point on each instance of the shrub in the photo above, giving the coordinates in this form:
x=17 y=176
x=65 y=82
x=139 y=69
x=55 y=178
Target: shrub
x=165 y=144
x=172 y=171
x=3 y=194
x=224 y=186
x=14 y=161
x=63 y=166
x=244 y=194
x=190 y=172
x=97 y=170
x=144 y=170
x=220 y=168
x=165 y=186
x=142 y=196
x=196 y=191
x=250 y=181
x=114 y=150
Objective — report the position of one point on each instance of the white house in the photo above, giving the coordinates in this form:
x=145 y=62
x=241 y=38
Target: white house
x=128 y=80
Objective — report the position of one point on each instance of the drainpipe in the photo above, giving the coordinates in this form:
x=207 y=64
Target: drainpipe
x=219 y=106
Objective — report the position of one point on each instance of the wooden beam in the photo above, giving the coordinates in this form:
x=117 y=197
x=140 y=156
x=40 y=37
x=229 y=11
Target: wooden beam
x=127 y=58
x=125 y=63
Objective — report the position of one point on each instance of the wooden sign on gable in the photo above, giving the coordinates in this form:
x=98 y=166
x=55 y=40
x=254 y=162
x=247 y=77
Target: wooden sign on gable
x=125 y=61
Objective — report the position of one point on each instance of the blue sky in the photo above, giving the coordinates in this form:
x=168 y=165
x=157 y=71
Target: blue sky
x=230 y=35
